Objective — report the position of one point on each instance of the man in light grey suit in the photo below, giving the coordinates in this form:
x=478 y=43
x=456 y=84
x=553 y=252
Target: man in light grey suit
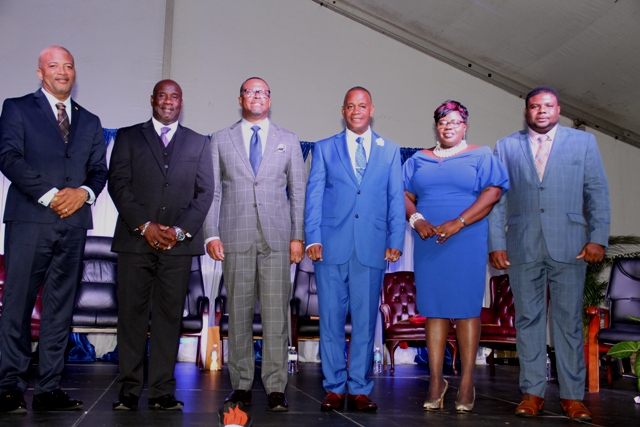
x=256 y=228
x=557 y=217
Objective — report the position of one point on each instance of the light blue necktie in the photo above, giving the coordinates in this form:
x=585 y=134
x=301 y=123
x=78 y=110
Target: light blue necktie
x=361 y=159
x=255 y=150
x=163 y=135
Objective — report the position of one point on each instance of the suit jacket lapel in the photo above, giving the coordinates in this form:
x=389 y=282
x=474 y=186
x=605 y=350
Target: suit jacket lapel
x=556 y=148
x=525 y=146
x=374 y=154
x=151 y=136
x=340 y=142
x=43 y=103
x=237 y=140
x=178 y=145
x=76 y=117
x=271 y=144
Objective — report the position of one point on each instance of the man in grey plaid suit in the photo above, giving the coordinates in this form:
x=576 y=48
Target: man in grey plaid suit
x=557 y=217
x=256 y=229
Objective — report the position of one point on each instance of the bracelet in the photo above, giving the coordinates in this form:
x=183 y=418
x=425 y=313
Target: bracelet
x=464 y=223
x=144 y=229
x=413 y=218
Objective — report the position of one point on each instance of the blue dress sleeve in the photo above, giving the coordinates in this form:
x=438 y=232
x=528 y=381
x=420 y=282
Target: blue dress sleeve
x=491 y=173
x=408 y=169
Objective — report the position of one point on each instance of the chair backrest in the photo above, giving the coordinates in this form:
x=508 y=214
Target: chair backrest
x=399 y=293
x=623 y=291
x=195 y=289
x=504 y=312
x=96 y=301
x=305 y=290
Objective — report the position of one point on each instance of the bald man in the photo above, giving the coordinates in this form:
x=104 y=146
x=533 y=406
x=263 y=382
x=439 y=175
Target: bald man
x=53 y=152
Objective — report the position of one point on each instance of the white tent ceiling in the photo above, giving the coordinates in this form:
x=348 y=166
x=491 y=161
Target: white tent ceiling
x=589 y=50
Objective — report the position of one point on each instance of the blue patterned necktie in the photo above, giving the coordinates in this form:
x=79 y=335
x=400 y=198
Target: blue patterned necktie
x=361 y=159
x=255 y=150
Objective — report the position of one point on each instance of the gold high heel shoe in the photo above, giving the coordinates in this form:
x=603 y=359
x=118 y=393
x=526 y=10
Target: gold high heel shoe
x=466 y=408
x=436 y=405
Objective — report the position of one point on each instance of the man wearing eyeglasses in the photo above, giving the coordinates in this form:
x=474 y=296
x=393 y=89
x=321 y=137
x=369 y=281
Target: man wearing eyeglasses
x=256 y=229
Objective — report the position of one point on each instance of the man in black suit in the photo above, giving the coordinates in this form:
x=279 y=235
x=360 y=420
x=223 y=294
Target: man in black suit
x=161 y=181
x=53 y=152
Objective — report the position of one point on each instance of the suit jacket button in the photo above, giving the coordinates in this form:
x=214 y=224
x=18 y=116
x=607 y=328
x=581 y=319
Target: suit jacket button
x=541 y=210
x=163 y=208
x=357 y=216
x=68 y=155
x=255 y=183
x=541 y=188
x=68 y=179
x=166 y=166
x=358 y=191
x=166 y=184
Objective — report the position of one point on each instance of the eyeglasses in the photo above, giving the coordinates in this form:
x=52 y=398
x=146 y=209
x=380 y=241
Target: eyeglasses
x=250 y=93
x=455 y=124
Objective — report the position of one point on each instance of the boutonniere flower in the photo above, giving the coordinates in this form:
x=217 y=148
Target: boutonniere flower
x=380 y=142
x=281 y=148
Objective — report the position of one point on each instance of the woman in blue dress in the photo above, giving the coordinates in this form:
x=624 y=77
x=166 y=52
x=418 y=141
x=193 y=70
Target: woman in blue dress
x=449 y=191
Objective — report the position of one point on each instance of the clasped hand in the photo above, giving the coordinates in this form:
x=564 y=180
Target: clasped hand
x=159 y=236
x=443 y=231
x=67 y=201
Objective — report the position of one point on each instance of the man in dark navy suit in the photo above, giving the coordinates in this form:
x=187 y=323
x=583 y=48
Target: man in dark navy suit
x=53 y=152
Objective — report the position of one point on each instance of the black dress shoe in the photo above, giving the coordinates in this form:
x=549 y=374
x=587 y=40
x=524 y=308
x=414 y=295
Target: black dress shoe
x=277 y=402
x=12 y=402
x=125 y=402
x=239 y=396
x=168 y=402
x=55 y=400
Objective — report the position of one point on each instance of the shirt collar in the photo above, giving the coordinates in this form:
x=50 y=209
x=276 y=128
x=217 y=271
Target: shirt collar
x=551 y=135
x=158 y=127
x=352 y=136
x=53 y=101
x=247 y=125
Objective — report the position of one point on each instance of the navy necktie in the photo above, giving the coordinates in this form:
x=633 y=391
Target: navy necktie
x=361 y=159
x=255 y=150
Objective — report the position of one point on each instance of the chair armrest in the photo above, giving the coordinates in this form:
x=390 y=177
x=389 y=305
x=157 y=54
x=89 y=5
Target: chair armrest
x=386 y=314
x=487 y=316
x=203 y=305
x=295 y=306
x=218 y=309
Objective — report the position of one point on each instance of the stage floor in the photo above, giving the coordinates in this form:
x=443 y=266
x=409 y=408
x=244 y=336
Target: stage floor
x=399 y=398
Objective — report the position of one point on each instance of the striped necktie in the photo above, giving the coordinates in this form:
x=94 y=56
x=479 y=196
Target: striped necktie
x=63 y=121
x=542 y=155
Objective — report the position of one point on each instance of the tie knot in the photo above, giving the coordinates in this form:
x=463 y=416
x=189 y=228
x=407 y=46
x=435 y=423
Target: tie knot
x=359 y=140
x=255 y=128
x=542 y=138
x=165 y=130
x=60 y=106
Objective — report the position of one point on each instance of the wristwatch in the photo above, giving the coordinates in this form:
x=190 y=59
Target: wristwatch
x=180 y=236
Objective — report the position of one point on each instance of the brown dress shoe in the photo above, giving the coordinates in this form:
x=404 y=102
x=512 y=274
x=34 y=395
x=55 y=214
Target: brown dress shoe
x=575 y=409
x=332 y=401
x=360 y=402
x=530 y=406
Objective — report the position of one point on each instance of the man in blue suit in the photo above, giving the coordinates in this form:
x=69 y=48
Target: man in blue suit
x=354 y=223
x=53 y=152
x=557 y=218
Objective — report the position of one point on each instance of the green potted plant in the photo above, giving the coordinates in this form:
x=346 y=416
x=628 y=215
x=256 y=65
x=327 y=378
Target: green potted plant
x=627 y=349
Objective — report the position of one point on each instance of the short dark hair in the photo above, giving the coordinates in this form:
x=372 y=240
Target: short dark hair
x=253 y=78
x=449 y=106
x=358 y=88
x=541 y=89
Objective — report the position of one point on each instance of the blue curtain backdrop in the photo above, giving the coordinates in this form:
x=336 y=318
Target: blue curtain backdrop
x=307 y=147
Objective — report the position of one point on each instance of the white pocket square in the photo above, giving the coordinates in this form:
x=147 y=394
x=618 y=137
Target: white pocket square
x=281 y=148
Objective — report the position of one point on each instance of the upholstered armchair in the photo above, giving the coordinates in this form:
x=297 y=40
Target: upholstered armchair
x=498 y=331
x=400 y=317
x=623 y=296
